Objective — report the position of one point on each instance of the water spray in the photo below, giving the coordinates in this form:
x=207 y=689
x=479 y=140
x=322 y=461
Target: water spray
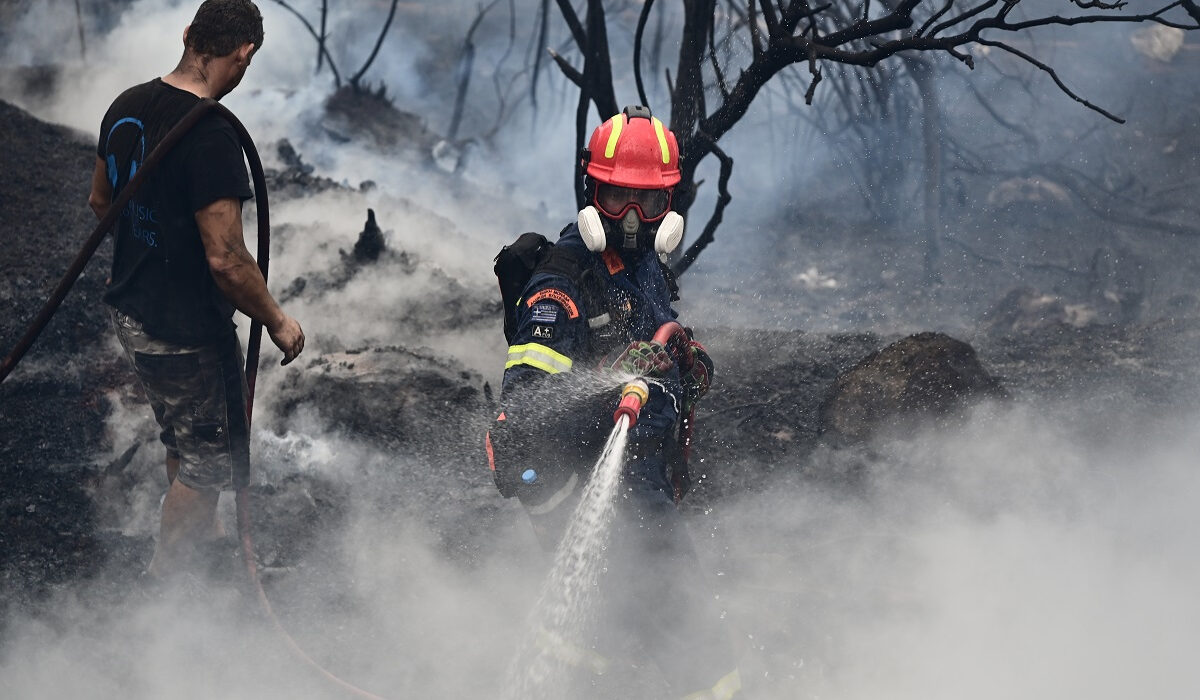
x=564 y=605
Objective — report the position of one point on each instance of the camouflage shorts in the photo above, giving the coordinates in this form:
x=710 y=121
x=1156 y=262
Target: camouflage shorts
x=198 y=394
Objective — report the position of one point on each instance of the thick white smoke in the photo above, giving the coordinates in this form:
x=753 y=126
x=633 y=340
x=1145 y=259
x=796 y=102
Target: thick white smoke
x=1018 y=555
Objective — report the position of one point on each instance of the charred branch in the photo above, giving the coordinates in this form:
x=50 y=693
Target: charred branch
x=322 y=36
x=573 y=23
x=322 y=48
x=541 y=48
x=571 y=72
x=354 y=80
x=1053 y=76
x=638 y=34
x=79 y=24
x=723 y=198
x=466 y=63
x=712 y=57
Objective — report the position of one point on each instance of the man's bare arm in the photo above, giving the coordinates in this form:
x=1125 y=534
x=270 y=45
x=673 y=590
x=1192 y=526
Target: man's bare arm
x=238 y=277
x=101 y=195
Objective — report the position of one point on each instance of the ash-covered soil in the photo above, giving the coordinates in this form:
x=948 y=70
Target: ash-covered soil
x=399 y=439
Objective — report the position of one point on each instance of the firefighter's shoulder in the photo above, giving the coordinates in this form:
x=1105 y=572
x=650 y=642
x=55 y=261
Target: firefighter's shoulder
x=549 y=299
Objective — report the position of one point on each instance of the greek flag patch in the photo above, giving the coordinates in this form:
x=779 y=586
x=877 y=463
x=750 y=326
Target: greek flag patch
x=545 y=313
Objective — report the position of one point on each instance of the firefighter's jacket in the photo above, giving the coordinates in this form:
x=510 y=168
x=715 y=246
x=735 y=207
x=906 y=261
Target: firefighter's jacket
x=558 y=402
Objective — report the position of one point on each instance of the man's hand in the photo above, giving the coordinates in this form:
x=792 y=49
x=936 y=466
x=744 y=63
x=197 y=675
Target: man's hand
x=695 y=371
x=288 y=337
x=644 y=358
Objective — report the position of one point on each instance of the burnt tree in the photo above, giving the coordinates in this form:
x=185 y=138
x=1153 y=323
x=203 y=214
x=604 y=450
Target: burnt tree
x=322 y=39
x=783 y=33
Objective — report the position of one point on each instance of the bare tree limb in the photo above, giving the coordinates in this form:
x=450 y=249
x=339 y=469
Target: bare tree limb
x=756 y=42
x=712 y=56
x=643 y=17
x=769 y=16
x=723 y=198
x=935 y=17
x=79 y=24
x=322 y=49
x=573 y=23
x=323 y=36
x=466 y=63
x=816 y=78
x=378 y=44
x=597 y=65
x=1053 y=76
x=542 y=34
x=1099 y=4
x=571 y=72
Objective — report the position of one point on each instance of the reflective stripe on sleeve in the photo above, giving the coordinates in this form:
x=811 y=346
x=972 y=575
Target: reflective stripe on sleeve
x=539 y=356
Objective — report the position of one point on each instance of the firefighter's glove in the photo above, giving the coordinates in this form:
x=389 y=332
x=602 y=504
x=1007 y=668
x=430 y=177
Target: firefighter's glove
x=695 y=371
x=644 y=358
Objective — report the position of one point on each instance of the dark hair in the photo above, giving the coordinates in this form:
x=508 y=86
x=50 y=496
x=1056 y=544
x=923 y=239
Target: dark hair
x=221 y=26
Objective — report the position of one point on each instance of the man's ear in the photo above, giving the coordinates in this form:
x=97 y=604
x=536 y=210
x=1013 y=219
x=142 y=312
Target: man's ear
x=244 y=52
x=185 y=33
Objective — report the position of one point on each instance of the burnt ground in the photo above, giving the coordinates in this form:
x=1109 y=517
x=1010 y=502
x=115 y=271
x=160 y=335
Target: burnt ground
x=68 y=482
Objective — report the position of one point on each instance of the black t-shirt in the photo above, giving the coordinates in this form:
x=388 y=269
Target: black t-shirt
x=160 y=275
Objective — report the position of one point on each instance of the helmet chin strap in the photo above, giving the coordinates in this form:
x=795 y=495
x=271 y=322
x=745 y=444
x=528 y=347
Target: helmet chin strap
x=594 y=231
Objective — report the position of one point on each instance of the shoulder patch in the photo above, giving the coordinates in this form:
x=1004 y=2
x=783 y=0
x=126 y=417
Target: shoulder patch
x=557 y=296
x=545 y=313
x=543 y=332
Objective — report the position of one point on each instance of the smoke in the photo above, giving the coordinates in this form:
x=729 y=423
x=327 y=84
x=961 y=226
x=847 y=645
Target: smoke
x=1018 y=556
x=1025 y=553
x=1028 y=553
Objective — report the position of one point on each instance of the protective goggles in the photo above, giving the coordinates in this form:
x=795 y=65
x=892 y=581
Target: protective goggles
x=651 y=205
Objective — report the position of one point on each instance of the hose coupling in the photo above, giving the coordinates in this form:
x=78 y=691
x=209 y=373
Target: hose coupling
x=633 y=396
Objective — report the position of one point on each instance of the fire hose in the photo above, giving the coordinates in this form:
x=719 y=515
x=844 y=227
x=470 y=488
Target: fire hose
x=241 y=480
x=672 y=336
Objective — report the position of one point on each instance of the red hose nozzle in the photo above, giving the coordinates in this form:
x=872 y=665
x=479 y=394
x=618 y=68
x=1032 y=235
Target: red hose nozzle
x=633 y=396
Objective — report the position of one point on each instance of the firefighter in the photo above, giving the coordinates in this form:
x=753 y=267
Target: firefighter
x=593 y=301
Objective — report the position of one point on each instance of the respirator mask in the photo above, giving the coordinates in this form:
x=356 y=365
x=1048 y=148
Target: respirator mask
x=627 y=218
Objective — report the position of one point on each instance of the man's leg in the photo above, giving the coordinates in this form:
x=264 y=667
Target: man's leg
x=198 y=396
x=189 y=516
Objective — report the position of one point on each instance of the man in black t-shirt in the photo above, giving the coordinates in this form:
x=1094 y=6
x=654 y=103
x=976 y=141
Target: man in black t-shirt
x=181 y=267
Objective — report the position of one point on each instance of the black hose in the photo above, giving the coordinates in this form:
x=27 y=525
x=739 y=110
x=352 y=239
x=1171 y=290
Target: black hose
x=241 y=478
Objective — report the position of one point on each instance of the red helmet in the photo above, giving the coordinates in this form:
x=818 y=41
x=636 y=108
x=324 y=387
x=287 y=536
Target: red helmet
x=634 y=149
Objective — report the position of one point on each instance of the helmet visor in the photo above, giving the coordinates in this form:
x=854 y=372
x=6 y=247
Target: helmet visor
x=651 y=205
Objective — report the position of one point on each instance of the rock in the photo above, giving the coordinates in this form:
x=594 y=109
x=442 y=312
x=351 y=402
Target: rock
x=927 y=375
x=1025 y=309
x=409 y=402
